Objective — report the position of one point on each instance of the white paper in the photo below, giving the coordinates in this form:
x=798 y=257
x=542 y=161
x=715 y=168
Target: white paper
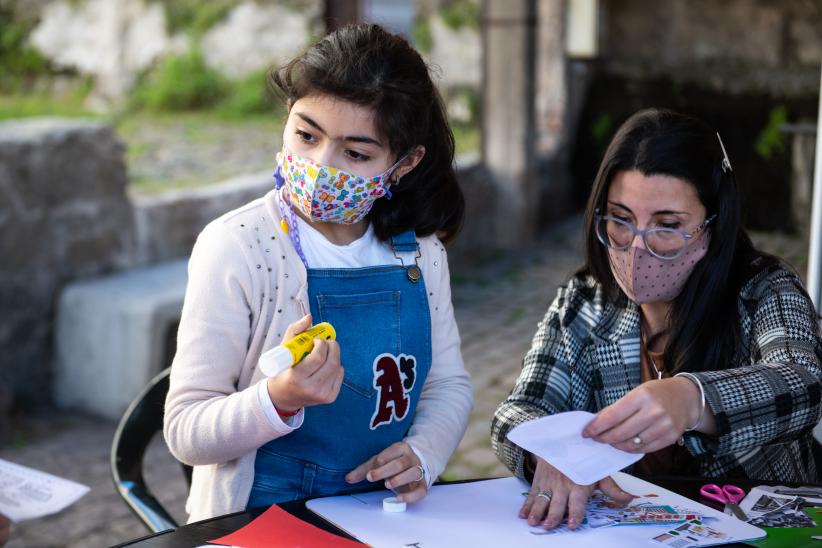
x=26 y=493
x=484 y=513
x=558 y=440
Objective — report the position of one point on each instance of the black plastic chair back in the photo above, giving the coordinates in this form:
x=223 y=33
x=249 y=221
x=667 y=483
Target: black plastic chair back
x=141 y=421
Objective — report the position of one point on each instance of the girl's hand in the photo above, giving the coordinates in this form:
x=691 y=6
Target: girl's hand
x=315 y=380
x=564 y=497
x=399 y=466
x=655 y=413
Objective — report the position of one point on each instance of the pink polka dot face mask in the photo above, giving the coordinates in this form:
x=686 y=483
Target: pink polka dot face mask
x=646 y=278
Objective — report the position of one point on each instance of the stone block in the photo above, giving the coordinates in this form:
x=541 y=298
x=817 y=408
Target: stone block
x=167 y=224
x=63 y=214
x=112 y=335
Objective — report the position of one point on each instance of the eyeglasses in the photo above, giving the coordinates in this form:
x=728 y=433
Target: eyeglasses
x=665 y=243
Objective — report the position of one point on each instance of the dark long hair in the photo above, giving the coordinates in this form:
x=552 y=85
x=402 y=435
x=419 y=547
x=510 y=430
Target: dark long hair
x=366 y=65
x=703 y=321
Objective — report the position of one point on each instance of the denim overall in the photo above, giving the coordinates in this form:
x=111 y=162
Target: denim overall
x=383 y=327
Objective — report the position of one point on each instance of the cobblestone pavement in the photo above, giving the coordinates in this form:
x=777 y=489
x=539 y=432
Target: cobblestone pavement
x=497 y=308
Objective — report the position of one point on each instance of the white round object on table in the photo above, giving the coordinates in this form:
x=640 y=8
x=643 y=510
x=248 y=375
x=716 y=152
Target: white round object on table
x=393 y=504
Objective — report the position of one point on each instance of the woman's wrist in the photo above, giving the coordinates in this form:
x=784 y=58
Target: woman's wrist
x=700 y=413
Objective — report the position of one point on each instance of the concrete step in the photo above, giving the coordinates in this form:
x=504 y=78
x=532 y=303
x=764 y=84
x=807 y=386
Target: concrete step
x=113 y=335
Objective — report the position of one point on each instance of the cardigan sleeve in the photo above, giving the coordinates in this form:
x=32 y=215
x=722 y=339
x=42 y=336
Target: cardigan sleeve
x=776 y=399
x=207 y=420
x=549 y=369
x=446 y=399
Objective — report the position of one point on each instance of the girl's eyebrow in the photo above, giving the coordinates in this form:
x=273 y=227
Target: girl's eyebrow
x=355 y=138
x=658 y=212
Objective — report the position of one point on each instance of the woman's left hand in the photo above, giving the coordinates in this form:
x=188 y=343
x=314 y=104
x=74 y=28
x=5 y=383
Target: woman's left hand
x=399 y=466
x=655 y=413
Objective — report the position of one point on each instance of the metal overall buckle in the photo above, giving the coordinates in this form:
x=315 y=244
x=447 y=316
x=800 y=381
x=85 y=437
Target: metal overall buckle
x=413 y=271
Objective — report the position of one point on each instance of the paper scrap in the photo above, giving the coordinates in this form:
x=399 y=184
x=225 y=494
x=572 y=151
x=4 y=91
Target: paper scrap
x=558 y=440
x=277 y=528
x=26 y=493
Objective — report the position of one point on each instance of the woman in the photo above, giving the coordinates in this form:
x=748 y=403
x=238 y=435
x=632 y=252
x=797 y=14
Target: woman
x=365 y=189
x=690 y=345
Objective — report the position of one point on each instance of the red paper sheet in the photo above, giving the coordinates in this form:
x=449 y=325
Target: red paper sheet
x=276 y=528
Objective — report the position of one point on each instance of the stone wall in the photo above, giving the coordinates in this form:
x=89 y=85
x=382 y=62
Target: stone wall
x=733 y=46
x=63 y=215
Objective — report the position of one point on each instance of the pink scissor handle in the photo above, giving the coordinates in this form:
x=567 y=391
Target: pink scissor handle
x=712 y=491
x=724 y=494
x=733 y=493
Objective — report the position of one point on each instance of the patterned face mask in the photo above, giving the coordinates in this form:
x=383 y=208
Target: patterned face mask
x=646 y=278
x=329 y=194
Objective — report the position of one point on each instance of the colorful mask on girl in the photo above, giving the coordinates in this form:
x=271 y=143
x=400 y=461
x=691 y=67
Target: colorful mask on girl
x=648 y=279
x=329 y=194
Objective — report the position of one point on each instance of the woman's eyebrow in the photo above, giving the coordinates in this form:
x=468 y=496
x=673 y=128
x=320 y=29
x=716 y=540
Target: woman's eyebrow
x=658 y=212
x=623 y=206
x=355 y=138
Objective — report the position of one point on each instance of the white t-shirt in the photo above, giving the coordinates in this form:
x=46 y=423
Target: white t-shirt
x=365 y=251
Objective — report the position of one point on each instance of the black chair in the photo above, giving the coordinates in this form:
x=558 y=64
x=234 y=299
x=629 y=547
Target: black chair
x=141 y=421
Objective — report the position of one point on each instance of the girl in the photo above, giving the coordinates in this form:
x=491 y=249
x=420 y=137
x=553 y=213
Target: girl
x=365 y=190
x=693 y=347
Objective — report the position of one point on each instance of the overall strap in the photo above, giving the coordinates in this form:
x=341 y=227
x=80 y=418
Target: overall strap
x=405 y=242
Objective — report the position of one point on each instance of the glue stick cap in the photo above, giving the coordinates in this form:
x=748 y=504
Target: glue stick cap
x=275 y=361
x=393 y=505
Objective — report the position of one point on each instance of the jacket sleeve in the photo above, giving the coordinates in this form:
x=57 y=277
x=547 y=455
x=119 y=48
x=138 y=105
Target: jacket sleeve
x=775 y=399
x=552 y=373
x=207 y=419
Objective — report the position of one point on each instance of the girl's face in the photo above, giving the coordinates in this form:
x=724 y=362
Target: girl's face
x=656 y=200
x=337 y=133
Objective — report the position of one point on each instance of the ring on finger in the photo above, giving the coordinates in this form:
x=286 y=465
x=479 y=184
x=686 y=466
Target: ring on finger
x=547 y=495
x=637 y=440
x=421 y=472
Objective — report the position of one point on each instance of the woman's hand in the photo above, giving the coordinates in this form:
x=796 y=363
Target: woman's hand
x=315 y=380
x=655 y=414
x=5 y=530
x=553 y=495
x=399 y=466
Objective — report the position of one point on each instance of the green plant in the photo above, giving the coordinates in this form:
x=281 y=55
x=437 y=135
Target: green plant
x=462 y=13
x=247 y=97
x=195 y=16
x=19 y=63
x=770 y=141
x=180 y=83
x=601 y=130
x=423 y=40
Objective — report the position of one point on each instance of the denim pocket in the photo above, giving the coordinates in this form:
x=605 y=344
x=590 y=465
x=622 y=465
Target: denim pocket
x=367 y=325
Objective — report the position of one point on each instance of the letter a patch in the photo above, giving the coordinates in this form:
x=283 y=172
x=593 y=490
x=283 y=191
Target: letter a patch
x=394 y=378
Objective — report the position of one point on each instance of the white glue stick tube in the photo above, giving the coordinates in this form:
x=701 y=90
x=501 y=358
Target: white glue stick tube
x=291 y=352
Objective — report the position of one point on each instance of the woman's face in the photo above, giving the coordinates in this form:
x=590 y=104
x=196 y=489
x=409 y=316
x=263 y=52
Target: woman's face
x=335 y=133
x=655 y=200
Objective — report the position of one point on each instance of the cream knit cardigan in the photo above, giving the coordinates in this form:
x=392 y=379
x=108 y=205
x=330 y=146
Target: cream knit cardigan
x=246 y=284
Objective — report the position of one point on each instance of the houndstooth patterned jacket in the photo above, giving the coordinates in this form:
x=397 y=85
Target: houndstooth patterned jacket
x=586 y=355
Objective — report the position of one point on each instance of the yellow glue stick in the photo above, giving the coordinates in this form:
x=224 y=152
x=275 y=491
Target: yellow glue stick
x=291 y=352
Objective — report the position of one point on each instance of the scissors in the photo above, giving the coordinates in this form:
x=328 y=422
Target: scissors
x=729 y=495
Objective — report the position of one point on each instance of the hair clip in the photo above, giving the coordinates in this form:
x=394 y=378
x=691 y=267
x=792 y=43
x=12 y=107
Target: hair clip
x=726 y=162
